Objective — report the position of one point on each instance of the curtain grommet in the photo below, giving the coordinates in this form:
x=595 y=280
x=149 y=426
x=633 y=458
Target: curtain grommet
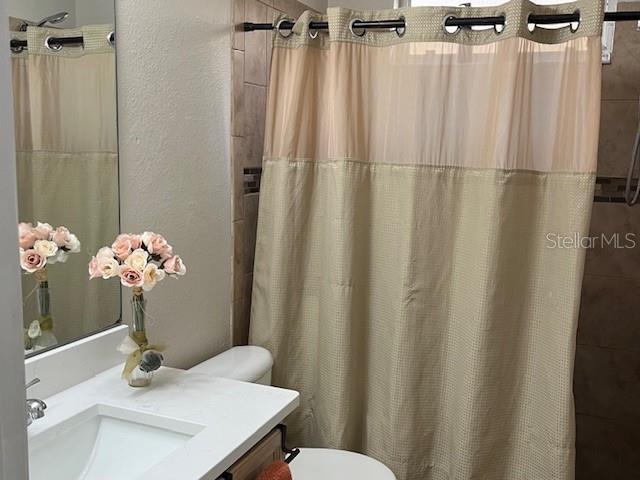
x=400 y=31
x=577 y=23
x=279 y=27
x=445 y=26
x=352 y=28
x=111 y=39
x=530 y=26
x=53 y=48
x=499 y=28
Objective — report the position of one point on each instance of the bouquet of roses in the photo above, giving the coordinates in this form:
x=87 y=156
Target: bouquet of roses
x=138 y=260
x=42 y=245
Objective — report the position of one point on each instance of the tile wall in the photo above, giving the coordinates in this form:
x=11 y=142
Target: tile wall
x=251 y=55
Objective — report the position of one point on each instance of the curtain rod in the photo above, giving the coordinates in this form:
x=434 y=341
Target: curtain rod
x=55 y=43
x=450 y=21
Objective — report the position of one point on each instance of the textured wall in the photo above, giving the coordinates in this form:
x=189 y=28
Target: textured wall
x=13 y=441
x=174 y=79
x=607 y=370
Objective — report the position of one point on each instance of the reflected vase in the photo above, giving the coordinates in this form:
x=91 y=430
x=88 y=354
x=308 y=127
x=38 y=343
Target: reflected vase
x=42 y=336
x=137 y=331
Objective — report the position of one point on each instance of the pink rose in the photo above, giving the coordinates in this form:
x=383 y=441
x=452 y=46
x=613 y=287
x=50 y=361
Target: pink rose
x=43 y=231
x=136 y=241
x=174 y=265
x=130 y=277
x=31 y=261
x=122 y=246
x=94 y=271
x=26 y=235
x=156 y=244
x=61 y=236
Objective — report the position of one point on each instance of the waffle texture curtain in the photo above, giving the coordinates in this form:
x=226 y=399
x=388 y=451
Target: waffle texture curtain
x=67 y=164
x=409 y=276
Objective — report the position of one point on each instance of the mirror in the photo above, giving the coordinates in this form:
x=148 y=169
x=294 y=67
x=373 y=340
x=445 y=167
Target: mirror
x=64 y=89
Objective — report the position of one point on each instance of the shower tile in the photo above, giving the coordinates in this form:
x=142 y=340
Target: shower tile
x=238 y=161
x=238 y=259
x=271 y=16
x=608 y=219
x=238 y=20
x=255 y=69
x=255 y=106
x=243 y=327
x=609 y=312
x=607 y=382
x=618 y=127
x=291 y=7
x=607 y=449
x=620 y=78
x=240 y=326
x=251 y=202
x=238 y=105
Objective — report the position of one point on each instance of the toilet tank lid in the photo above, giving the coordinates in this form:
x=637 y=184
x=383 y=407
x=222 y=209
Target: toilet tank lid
x=246 y=363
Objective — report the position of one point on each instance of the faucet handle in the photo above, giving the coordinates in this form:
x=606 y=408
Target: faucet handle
x=32 y=383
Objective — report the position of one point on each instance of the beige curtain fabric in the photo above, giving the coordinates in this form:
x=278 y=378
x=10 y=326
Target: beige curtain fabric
x=67 y=165
x=405 y=277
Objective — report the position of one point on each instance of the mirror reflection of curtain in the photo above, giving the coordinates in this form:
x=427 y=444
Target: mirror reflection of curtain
x=67 y=165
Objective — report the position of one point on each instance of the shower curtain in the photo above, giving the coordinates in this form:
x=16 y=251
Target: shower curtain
x=67 y=164
x=415 y=277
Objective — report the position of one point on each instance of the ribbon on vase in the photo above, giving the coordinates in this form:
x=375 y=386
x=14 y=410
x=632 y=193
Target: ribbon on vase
x=134 y=349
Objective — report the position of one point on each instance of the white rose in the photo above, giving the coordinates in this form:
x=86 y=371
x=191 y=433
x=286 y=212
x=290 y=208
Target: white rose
x=73 y=244
x=138 y=259
x=151 y=275
x=46 y=248
x=62 y=256
x=108 y=267
x=34 y=330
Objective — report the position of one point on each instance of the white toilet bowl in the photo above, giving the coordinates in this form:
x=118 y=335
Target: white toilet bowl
x=253 y=364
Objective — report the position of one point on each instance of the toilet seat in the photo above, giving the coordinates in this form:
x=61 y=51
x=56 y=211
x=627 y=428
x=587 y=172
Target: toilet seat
x=323 y=464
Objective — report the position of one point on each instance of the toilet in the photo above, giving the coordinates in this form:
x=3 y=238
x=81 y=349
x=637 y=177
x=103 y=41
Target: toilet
x=253 y=364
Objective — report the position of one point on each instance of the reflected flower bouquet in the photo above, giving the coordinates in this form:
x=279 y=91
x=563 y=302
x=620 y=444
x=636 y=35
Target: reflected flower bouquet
x=42 y=245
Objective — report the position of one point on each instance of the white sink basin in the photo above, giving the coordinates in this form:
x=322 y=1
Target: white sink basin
x=105 y=443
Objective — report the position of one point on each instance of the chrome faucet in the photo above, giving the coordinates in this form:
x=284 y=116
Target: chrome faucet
x=35 y=408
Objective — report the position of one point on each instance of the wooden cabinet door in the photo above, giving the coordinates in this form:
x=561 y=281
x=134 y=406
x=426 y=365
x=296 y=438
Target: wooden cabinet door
x=256 y=460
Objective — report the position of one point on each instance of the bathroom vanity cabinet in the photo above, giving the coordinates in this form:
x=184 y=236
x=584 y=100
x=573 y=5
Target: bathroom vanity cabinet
x=256 y=460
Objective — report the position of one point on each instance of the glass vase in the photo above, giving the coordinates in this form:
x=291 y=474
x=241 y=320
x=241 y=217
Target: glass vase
x=137 y=332
x=43 y=300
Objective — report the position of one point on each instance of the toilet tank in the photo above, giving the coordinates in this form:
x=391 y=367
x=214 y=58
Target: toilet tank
x=245 y=363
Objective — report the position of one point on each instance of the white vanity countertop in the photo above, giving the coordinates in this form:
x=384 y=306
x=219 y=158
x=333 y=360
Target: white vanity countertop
x=235 y=415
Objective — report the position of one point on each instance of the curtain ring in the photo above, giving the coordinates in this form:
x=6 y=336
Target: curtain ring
x=111 y=38
x=503 y=26
x=352 y=27
x=279 y=24
x=445 y=26
x=400 y=31
x=577 y=23
x=313 y=34
x=53 y=48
